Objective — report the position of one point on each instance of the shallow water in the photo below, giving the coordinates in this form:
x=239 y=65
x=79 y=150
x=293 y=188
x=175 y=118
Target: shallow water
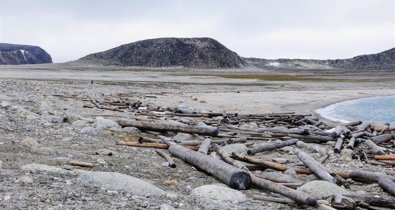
x=375 y=109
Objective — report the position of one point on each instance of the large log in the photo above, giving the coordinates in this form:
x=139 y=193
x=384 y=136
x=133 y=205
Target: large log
x=167 y=126
x=338 y=145
x=150 y=145
x=226 y=157
x=316 y=167
x=388 y=185
x=313 y=138
x=295 y=195
x=228 y=174
x=373 y=148
x=383 y=138
x=263 y=163
x=368 y=176
x=270 y=146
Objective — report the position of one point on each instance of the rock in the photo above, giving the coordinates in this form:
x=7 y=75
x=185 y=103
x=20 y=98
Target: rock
x=346 y=154
x=166 y=207
x=117 y=181
x=170 y=182
x=280 y=160
x=26 y=179
x=250 y=126
x=89 y=131
x=236 y=148
x=43 y=168
x=79 y=123
x=106 y=152
x=29 y=142
x=131 y=130
x=102 y=123
x=183 y=137
x=55 y=119
x=217 y=197
x=5 y=104
x=185 y=109
x=322 y=189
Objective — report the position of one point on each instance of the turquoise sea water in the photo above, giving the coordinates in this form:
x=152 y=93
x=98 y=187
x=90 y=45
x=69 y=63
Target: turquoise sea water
x=375 y=109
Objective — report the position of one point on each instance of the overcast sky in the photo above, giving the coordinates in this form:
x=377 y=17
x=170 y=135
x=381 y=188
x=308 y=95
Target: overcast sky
x=70 y=29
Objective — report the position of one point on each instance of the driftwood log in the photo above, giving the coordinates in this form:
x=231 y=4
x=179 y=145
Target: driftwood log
x=387 y=184
x=167 y=126
x=226 y=157
x=205 y=146
x=313 y=138
x=316 y=167
x=81 y=163
x=270 y=146
x=263 y=163
x=384 y=157
x=373 y=201
x=228 y=174
x=150 y=145
x=368 y=176
x=373 y=148
x=167 y=158
x=383 y=138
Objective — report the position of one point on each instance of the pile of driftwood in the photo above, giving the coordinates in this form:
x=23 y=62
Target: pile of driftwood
x=371 y=143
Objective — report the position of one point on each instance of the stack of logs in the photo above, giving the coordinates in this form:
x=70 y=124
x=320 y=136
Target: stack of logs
x=371 y=143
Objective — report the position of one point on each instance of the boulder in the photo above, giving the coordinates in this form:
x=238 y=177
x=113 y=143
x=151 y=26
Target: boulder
x=217 y=197
x=322 y=189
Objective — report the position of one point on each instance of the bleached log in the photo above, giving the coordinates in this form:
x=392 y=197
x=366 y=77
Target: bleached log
x=373 y=148
x=382 y=138
x=387 y=184
x=270 y=146
x=316 y=167
x=205 y=146
x=167 y=158
x=263 y=163
x=368 y=176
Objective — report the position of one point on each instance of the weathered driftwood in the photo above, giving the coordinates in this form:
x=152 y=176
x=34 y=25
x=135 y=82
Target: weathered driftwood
x=387 y=184
x=316 y=167
x=205 y=146
x=285 y=130
x=273 y=199
x=81 y=163
x=167 y=126
x=368 y=176
x=280 y=178
x=150 y=145
x=270 y=146
x=343 y=202
x=338 y=145
x=352 y=124
x=373 y=201
x=373 y=148
x=263 y=163
x=167 y=158
x=298 y=196
x=313 y=138
x=388 y=162
x=384 y=157
x=143 y=139
x=382 y=138
x=226 y=157
x=307 y=171
x=234 y=177
x=353 y=139
x=99 y=106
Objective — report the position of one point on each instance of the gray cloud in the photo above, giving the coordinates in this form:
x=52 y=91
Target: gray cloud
x=69 y=29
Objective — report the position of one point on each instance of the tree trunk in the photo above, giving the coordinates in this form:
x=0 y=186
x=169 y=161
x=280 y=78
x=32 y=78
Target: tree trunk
x=373 y=148
x=382 y=138
x=387 y=185
x=316 y=167
x=368 y=176
x=313 y=138
x=228 y=174
x=270 y=146
x=167 y=126
x=205 y=146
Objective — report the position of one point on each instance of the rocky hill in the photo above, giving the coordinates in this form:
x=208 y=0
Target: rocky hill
x=22 y=54
x=383 y=60
x=169 y=52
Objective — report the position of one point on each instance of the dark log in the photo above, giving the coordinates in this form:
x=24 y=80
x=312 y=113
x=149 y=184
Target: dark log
x=228 y=174
x=273 y=199
x=226 y=157
x=166 y=126
x=270 y=146
x=373 y=148
x=298 y=196
x=263 y=163
x=285 y=130
x=167 y=157
x=387 y=185
x=382 y=138
x=316 y=167
x=313 y=138
x=368 y=176
x=205 y=146
x=373 y=201
x=338 y=145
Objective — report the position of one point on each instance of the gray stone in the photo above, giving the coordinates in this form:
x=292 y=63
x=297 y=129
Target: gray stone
x=55 y=119
x=102 y=123
x=183 y=137
x=117 y=181
x=166 y=207
x=131 y=130
x=79 y=123
x=26 y=179
x=236 y=148
x=217 y=197
x=43 y=168
x=29 y=142
x=5 y=104
x=322 y=189
x=89 y=131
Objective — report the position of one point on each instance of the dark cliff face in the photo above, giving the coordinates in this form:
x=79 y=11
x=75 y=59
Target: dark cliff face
x=169 y=52
x=14 y=54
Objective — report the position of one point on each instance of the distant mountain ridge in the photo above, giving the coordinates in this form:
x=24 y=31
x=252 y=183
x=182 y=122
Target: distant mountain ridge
x=14 y=54
x=169 y=52
x=209 y=53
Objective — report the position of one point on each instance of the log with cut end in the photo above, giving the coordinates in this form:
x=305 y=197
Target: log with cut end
x=373 y=148
x=338 y=145
x=228 y=174
x=387 y=184
x=167 y=158
x=270 y=146
x=298 y=196
x=383 y=138
x=316 y=167
x=368 y=176
x=205 y=146
x=168 y=126
x=263 y=163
